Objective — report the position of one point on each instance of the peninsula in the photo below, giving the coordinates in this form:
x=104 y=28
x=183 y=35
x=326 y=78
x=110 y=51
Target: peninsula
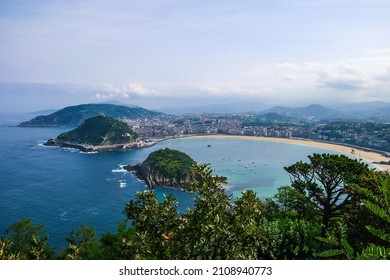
x=76 y=115
x=99 y=133
x=165 y=167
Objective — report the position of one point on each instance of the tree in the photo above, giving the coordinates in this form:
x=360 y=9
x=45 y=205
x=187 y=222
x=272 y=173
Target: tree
x=216 y=228
x=26 y=240
x=376 y=198
x=82 y=243
x=377 y=201
x=154 y=224
x=325 y=182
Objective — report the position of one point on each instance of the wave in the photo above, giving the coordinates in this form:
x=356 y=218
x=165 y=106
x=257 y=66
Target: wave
x=119 y=169
x=72 y=150
x=94 y=152
x=122 y=183
x=62 y=216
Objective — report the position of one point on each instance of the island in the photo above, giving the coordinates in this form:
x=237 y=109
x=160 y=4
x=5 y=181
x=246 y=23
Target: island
x=165 y=167
x=76 y=115
x=99 y=133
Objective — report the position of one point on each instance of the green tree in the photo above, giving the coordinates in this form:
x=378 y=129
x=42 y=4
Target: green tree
x=376 y=198
x=325 y=182
x=216 y=228
x=82 y=244
x=26 y=240
x=289 y=239
x=154 y=224
x=113 y=245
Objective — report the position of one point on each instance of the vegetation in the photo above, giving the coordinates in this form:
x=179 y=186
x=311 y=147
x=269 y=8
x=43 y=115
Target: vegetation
x=76 y=115
x=166 y=167
x=335 y=208
x=100 y=130
x=324 y=182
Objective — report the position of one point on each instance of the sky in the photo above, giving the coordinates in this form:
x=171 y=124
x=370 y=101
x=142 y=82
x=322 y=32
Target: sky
x=166 y=53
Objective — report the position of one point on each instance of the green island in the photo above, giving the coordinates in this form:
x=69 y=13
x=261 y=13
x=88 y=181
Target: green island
x=76 y=115
x=165 y=167
x=98 y=134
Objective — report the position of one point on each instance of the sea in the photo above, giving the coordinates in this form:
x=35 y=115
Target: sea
x=63 y=188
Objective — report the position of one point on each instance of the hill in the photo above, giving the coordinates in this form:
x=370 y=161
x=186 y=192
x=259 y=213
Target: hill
x=311 y=112
x=76 y=115
x=97 y=133
x=165 y=167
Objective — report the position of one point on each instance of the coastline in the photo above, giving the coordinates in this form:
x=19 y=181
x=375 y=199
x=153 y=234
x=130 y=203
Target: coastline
x=89 y=148
x=370 y=157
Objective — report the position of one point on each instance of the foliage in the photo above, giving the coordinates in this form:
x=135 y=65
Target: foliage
x=325 y=182
x=289 y=203
x=377 y=200
x=216 y=228
x=112 y=244
x=167 y=166
x=26 y=240
x=82 y=243
x=100 y=130
x=290 y=239
x=153 y=223
x=5 y=251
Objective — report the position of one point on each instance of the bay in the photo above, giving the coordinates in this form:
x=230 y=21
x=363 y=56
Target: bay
x=64 y=188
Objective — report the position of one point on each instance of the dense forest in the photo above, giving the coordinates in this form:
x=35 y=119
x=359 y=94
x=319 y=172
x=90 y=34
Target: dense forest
x=334 y=208
x=100 y=130
x=166 y=167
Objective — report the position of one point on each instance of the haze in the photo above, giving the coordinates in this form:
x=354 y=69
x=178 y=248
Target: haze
x=167 y=53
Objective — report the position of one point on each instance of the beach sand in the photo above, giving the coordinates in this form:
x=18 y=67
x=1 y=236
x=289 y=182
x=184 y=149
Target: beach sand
x=367 y=156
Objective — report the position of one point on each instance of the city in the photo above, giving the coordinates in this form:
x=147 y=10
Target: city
x=363 y=134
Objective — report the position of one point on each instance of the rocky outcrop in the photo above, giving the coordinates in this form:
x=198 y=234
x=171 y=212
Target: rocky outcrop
x=153 y=179
x=164 y=167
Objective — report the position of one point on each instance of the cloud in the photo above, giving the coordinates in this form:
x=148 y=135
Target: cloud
x=350 y=76
x=216 y=90
x=107 y=91
x=289 y=77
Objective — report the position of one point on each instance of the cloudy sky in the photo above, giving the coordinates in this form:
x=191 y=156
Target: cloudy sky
x=157 y=53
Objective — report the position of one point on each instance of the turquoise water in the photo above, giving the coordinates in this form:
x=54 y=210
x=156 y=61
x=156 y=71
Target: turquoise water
x=64 y=188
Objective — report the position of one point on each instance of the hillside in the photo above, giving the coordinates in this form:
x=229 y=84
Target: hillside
x=313 y=111
x=76 y=115
x=165 y=167
x=97 y=133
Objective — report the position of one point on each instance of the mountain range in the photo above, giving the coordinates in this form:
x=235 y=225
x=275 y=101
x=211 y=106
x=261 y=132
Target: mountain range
x=373 y=111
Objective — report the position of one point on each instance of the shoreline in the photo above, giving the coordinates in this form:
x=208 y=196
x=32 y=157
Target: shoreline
x=371 y=157
x=90 y=149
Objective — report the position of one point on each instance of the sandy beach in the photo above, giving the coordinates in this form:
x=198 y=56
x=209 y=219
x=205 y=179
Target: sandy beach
x=367 y=156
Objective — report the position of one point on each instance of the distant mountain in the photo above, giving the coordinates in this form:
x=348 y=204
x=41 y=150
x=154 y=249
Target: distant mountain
x=313 y=111
x=223 y=108
x=378 y=111
x=364 y=106
x=76 y=115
